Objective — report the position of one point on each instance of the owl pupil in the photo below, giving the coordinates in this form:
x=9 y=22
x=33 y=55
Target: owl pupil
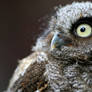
x=83 y=29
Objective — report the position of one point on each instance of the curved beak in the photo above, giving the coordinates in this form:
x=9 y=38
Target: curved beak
x=59 y=40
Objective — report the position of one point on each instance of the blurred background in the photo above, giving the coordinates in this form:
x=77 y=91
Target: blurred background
x=19 y=29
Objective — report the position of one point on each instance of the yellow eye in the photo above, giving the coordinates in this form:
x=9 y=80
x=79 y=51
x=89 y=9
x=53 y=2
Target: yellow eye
x=84 y=30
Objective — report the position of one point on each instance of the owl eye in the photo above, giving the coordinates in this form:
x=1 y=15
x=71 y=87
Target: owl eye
x=84 y=30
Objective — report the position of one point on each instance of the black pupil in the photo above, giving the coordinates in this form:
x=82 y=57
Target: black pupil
x=83 y=29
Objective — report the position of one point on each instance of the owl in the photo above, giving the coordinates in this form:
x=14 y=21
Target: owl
x=61 y=60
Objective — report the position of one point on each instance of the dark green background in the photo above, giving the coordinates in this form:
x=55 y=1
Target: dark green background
x=19 y=28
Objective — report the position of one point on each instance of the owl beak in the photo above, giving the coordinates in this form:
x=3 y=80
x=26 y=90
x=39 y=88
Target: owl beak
x=58 y=41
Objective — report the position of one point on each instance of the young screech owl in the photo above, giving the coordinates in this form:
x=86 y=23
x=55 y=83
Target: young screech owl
x=62 y=58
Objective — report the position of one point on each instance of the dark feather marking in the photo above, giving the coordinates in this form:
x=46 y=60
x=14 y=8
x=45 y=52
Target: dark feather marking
x=33 y=79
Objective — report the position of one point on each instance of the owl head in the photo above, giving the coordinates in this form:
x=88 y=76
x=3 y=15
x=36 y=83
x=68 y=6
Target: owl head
x=69 y=33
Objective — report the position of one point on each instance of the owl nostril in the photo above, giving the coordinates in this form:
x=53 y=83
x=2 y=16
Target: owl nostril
x=59 y=35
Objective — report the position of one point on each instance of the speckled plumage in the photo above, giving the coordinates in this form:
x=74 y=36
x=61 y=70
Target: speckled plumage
x=67 y=69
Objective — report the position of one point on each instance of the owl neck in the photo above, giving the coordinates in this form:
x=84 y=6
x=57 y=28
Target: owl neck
x=63 y=74
x=68 y=60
